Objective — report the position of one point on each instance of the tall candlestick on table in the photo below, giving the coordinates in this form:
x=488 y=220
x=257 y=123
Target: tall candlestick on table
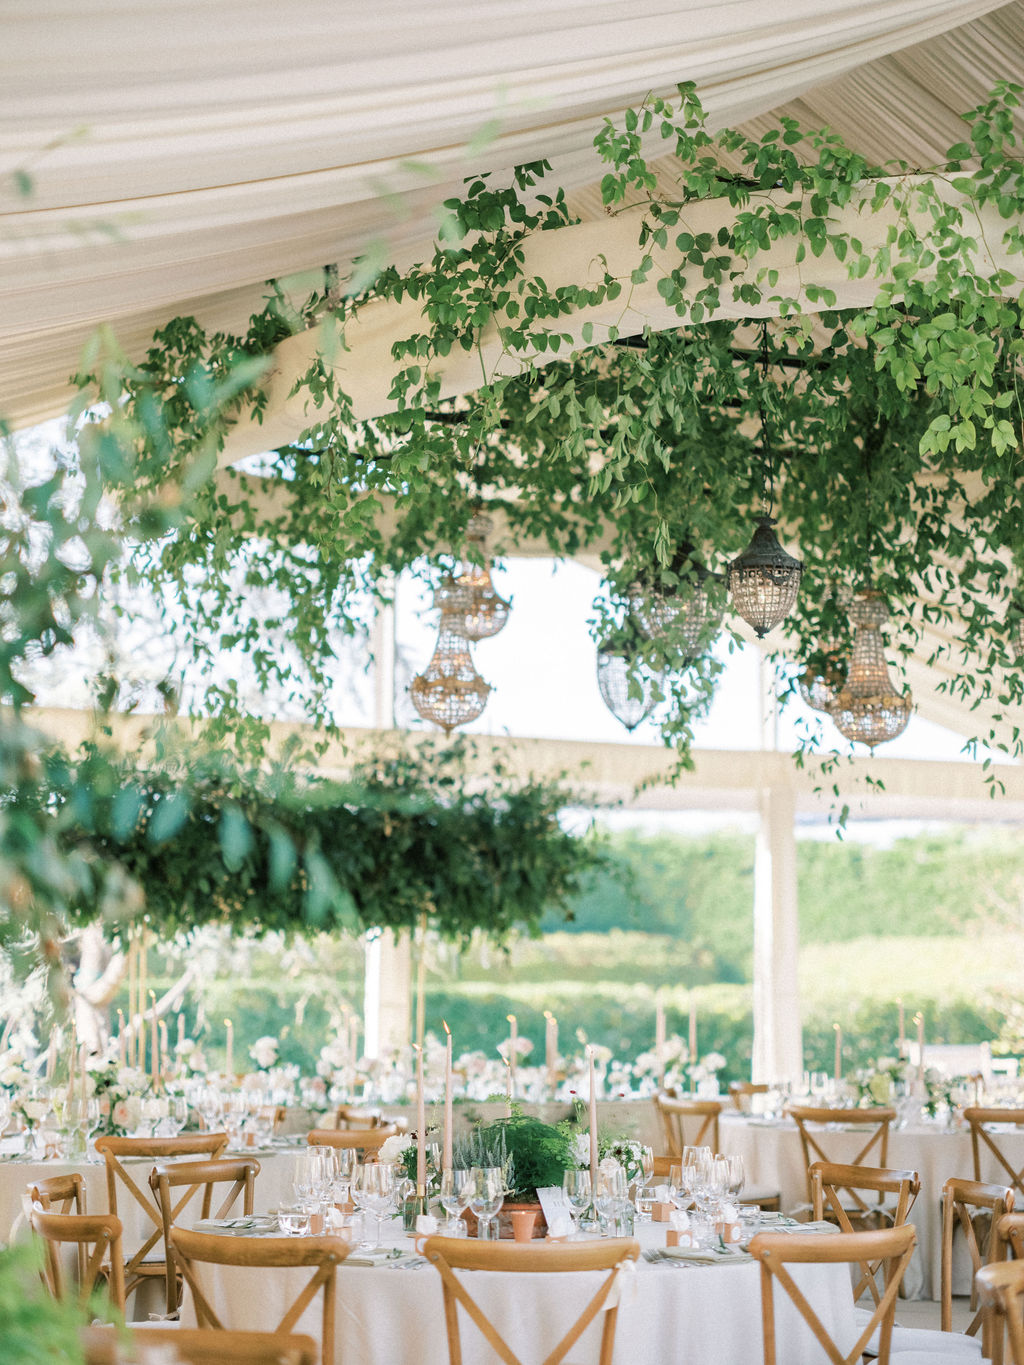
x=838 y=1071
x=659 y=1039
x=693 y=1030
x=446 y=1158
x=155 y=1041
x=593 y=1123
x=903 y=1032
x=133 y=975
x=508 y=1088
x=421 y=1127
x=919 y=1021
x=122 y=1041
x=140 y=1046
x=165 y=1047
x=229 y=1049
x=551 y=1049
x=513 y=1052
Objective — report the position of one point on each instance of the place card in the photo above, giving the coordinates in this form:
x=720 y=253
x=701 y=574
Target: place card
x=555 y=1205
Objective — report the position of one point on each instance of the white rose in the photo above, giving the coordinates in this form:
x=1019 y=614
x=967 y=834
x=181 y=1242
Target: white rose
x=36 y=1109
x=393 y=1148
x=264 y=1051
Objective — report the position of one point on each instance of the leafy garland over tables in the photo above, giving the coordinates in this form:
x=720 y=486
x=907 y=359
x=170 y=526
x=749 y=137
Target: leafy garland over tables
x=408 y=836
x=897 y=426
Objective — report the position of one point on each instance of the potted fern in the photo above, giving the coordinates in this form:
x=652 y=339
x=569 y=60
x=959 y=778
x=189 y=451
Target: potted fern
x=531 y=1154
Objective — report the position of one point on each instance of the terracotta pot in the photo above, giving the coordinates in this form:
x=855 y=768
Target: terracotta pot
x=540 y=1227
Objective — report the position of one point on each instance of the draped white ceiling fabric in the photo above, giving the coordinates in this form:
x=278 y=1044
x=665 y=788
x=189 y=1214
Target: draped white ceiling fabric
x=181 y=155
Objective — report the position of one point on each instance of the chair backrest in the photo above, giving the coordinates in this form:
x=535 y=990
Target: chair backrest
x=1001 y=1290
x=99 y=1234
x=898 y=1189
x=891 y=1247
x=812 y=1122
x=367 y=1141
x=198 y=1346
x=688 y=1123
x=66 y=1190
x=351 y=1116
x=449 y=1254
x=322 y=1254
x=962 y=1200
x=984 y=1139
x=1010 y=1231
x=195 y=1178
x=741 y=1093
x=116 y=1150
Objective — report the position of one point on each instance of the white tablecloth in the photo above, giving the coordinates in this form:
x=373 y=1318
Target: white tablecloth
x=772 y=1152
x=688 y=1316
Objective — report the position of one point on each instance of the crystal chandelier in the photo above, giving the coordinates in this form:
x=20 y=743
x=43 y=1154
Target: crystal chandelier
x=868 y=708
x=692 y=611
x=823 y=678
x=476 y=609
x=449 y=691
x=764 y=580
x=629 y=688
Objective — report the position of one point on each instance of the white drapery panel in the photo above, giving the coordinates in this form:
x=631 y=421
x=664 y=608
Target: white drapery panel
x=180 y=156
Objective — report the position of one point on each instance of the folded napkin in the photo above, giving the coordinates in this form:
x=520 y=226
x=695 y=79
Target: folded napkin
x=373 y=1256
x=251 y=1225
x=706 y=1255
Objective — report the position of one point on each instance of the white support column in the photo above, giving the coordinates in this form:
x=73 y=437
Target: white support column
x=778 y=1039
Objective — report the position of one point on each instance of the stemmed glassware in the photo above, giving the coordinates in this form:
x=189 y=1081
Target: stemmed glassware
x=486 y=1198
x=611 y=1197
x=576 y=1188
x=456 y=1191
x=376 y=1183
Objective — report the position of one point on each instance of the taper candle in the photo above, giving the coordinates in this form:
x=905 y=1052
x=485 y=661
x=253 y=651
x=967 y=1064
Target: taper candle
x=903 y=1031
x=919 y=1020
x=838 y=1070
x=421 y=1127
x=508 y=1088
x=693 y=1030
x=551 y=1048
x=513 y=1052
x=593 y=1122
x=659 y=1039
x=83 y=1089
x=446 y=1159
x=133 y=981
x=154 y=1057
x=140 y=1047
x=229 y=1042
x=165 y=1047
x=122 y=1041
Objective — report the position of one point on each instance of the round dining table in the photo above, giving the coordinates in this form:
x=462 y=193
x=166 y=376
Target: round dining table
x=772 y=1153
x=391 y=1312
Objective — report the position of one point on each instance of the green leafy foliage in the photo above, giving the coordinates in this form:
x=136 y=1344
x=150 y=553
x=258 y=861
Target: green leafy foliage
x=538 y=1151
x=35 y=1329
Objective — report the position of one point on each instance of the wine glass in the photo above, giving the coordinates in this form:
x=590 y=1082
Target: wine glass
x=486 y=1199
x=344 y=1166
x=454 y=1196
x=576 y=1187
x=303 y=1175
x=377 y=1187
x=611 y=1195
x=177 y=1114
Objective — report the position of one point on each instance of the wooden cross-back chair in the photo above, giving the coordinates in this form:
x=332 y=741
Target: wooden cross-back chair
x=198 y=1346
x=366 y=1141
x=195 y=1177
x=688 y=1123
x=812 y=1123
x=962 y=1202
x=742 y=1092
x=139 y=1265
x=449 y=1254
x=322 y=1255
x=1010 y=1231
x=98 y=1236
x=1001 y=1291
x=890 y=1247
x=61 y=1194
x=985 y=1140
x=898 y=1189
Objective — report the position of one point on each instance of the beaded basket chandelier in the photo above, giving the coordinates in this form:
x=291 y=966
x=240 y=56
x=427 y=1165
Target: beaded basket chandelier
x=692 y=612
x=449 y=691
x=822 y=680
x=868 y=709
x=476 y=609
x=629 y=688
x=764 y=580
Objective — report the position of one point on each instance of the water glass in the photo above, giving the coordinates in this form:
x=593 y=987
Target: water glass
x=293 y=1220
x=610 y=1198
x=486 y=1199
x=576 y=1188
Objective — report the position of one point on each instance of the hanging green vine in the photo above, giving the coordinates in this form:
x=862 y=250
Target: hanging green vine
x=647 y=441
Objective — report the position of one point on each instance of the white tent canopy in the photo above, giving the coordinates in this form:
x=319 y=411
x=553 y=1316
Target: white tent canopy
x=179 y=158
